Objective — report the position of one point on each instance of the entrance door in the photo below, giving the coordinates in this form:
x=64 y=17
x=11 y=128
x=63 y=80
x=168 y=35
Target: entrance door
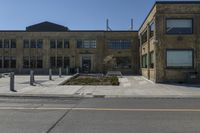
x=86 y=64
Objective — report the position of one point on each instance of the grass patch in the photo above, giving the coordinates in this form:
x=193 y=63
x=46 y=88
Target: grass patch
x=90 y=80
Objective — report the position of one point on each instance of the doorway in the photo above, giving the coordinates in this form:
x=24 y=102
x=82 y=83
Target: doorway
x=86 y=64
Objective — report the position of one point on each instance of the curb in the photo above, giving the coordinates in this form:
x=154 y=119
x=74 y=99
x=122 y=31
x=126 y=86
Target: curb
x=40 y=96
x=58 y=96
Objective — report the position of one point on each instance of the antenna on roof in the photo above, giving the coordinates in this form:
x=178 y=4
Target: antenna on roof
x=131 y=27
x=107 y=25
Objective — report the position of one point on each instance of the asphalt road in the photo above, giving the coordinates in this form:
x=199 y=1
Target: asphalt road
x=99 y=115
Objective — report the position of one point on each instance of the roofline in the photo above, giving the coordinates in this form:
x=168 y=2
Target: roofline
x=167 y=2
x=147 y=16
x=71 y=31
x=177 y=2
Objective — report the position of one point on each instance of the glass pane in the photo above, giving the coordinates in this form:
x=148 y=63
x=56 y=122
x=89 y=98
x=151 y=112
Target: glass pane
x=79 y=43
x=1 y=44
x=6 y=62
x=52 y=43
x=26 y=62
x=6 y=43
x=33 y=62
x=183 y=58
x=1 y=60
x=26 y=43
x=59 y=44
x=13 y=62
x=119 y=44
x=179 y=26
x=33 y=43
x=13 y=43
x=66 y=62
x=59 y=62
x=66 y=43
x=52 y=62
x=39 y=62
x=123 y=62
x=39 y=43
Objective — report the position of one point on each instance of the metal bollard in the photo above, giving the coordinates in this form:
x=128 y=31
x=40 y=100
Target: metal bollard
x=60 y=72
x=67 y=70
x=50 y=74
x=77 y=70
x=31 y=77
x=12 y=81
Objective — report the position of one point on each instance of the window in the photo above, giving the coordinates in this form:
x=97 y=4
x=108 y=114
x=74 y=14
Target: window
x=119 y=44
x=1 y=44
x=6 y=62
x=59 y=44
x=53 y=62
x=33 y=62
x=180 y=58
x=26 y=44
x=1 y=61
x=39 y=62
x=66 y=43
x=179 y=26
x=151 y=60
x=13 y=43
x=86 y=43
x=66 y=62
x=33 y=43
x=40 y=43
x=12 y=62
x=152 y=29
x=59 y=61
x=6 y=43
x=144 y=61
x=144 y=37
x=25 y=62
x=123 y=62
x=52 y=43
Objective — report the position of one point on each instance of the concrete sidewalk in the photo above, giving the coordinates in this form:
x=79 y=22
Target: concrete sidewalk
x=130 y=86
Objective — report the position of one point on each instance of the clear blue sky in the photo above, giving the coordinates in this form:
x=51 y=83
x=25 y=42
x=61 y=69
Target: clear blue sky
x=75 y=14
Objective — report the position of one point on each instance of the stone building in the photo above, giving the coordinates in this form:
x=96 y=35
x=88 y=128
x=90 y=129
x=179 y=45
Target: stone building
x=48 y=45
x=166 y=48
x=170 y=42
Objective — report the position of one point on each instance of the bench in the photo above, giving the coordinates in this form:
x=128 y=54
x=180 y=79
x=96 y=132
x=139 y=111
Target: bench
x=114 y=73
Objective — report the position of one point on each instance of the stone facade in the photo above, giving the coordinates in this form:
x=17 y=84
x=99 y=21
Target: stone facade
x=147 y=53
x=161 y=41
x=75 y=54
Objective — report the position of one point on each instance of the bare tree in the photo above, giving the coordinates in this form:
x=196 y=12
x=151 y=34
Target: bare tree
x=109 y=62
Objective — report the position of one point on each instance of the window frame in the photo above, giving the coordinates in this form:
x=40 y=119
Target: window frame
x=81 y=44
x=152 y=33
x=39 y=43
x=13 y=43
x=119 y=43
x=26 y=42
x=146 y=61
x=1 y=43
x=179 y=19
x=1 y=61
x=144 y=32
x=179 y=67
x=6 y=43
x=66 y=43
